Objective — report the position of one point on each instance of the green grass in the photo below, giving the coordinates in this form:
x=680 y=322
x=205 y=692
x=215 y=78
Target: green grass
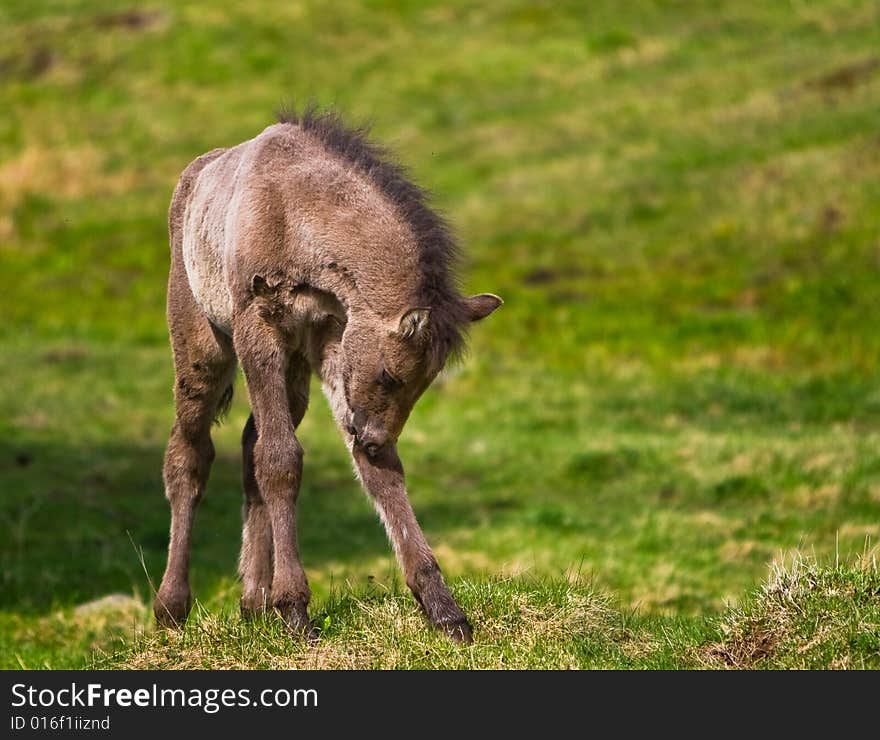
x=678 y=203
x=805 y=616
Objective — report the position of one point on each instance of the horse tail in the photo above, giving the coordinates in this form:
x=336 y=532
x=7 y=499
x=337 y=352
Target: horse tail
x=223 y=405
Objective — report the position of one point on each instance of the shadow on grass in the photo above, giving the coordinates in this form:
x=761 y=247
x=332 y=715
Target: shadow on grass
x=78 y=520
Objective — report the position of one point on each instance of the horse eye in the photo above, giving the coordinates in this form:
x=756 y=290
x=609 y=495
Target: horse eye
x=389 y=381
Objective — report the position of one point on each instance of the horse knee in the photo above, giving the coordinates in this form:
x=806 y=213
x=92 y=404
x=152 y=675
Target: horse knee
x=278 y=466
x=188 y=459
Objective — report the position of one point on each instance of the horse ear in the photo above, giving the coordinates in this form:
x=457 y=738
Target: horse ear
x=259 y=286
x=480 y=306
x=413 y=323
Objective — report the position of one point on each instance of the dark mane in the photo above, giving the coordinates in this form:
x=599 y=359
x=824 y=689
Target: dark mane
x=438 y=255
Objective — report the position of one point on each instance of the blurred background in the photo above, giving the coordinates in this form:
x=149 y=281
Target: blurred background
x=677 y=200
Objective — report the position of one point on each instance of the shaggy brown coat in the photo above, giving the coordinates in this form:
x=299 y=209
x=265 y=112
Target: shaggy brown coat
x=305 y=249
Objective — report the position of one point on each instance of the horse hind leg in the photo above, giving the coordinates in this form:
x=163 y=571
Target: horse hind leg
x=204 y=371
x=255 y=564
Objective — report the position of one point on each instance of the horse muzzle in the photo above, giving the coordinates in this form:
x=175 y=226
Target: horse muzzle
x=368 y=435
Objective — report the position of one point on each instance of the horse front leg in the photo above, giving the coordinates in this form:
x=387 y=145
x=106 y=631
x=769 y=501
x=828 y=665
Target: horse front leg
x=257 y=549
x=382 y=477
x=277 y=461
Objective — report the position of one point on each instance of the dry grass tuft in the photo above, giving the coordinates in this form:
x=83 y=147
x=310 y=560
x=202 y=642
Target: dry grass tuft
x=805 y=616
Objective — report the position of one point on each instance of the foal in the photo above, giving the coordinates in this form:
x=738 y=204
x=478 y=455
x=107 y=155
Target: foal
x=305 y=249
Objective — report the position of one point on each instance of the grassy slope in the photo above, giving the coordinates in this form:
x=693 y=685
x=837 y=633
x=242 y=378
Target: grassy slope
x=804 y=616
x=678 y=205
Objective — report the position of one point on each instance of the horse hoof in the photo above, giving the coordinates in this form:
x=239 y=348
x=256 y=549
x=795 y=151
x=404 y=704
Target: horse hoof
x=460 y=632
x=296 y=617
x=170 y=614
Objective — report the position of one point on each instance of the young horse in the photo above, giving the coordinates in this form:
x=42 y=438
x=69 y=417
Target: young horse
x=305 y=250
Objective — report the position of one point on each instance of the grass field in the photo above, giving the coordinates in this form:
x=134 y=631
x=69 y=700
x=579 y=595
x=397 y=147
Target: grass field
x=663 y=451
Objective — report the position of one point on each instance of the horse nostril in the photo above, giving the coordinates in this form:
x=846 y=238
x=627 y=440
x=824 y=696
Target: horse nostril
x=372 y=448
